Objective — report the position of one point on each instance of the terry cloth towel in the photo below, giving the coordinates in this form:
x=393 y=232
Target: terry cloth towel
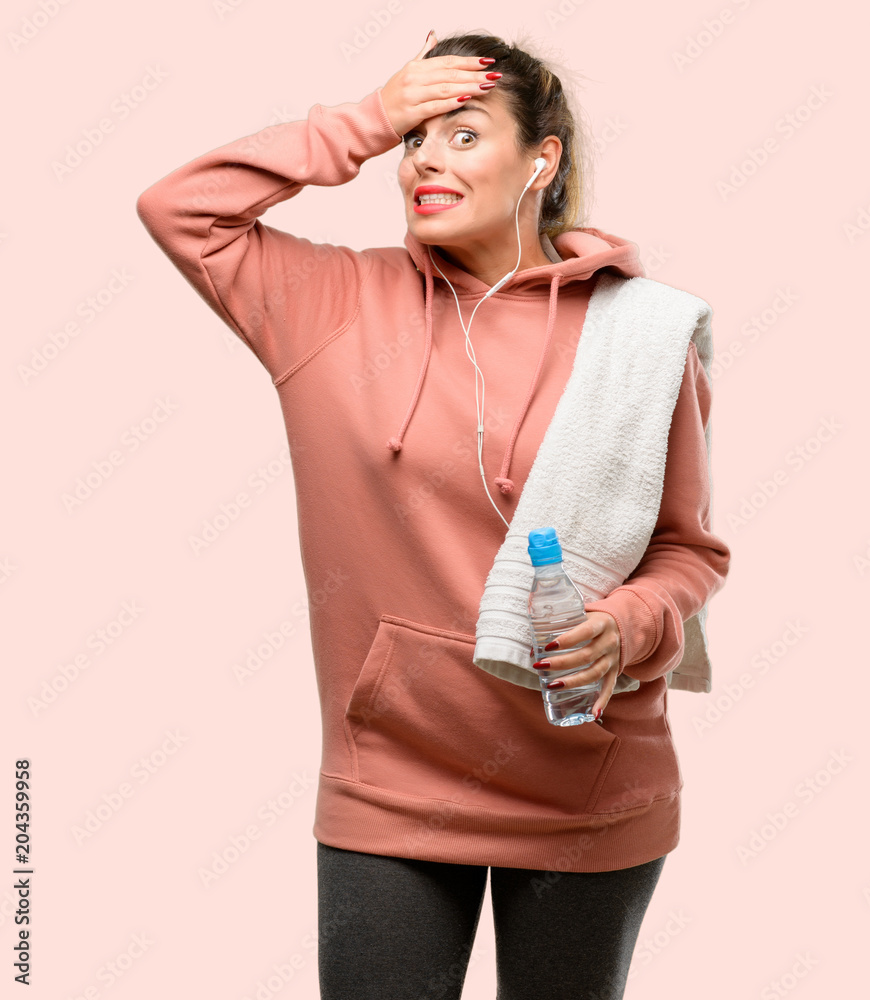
x=598 y=475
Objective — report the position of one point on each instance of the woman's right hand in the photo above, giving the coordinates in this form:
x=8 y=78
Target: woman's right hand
x=423 y=88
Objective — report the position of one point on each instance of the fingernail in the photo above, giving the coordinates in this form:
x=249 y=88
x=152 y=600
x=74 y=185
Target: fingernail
x=542 y=664
x=466 y=97
x=487 y=86
x=493 y=76
x=552 y=645
x=598 y=715
x=487 y=61
x=430 y=34
x=556 y=684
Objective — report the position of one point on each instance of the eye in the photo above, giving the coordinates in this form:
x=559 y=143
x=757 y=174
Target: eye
x=466 y=132
x=413 y=138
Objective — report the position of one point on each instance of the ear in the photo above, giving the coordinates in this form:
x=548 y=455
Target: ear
x=551 y=151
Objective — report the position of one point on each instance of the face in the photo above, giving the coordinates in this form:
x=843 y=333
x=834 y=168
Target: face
x=470 y=151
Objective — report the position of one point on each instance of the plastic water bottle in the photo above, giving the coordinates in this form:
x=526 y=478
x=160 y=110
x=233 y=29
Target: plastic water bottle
x=556 y=606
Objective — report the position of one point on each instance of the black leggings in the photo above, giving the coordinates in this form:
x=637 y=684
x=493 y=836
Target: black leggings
x=400 y=929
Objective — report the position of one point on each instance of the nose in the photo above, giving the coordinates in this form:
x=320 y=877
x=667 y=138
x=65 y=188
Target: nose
x=427 y=156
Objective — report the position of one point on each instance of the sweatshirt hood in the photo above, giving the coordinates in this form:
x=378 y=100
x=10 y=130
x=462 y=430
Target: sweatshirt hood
x=574 y=256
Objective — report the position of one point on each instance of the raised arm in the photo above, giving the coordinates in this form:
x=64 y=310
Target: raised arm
x=281 y=294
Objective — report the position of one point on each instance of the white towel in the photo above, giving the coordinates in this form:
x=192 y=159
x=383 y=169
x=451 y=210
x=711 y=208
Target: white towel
x=598 y=475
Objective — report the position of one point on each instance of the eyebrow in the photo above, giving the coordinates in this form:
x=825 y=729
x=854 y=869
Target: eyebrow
x=457 y=111
x=473 y=107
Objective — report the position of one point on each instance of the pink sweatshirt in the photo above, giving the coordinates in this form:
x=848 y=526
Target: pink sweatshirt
x=424 y=754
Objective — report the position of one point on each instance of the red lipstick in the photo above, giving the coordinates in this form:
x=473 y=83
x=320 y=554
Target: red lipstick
x=434 y=189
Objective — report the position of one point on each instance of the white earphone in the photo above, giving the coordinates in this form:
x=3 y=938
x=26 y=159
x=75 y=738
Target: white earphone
x=540 y=163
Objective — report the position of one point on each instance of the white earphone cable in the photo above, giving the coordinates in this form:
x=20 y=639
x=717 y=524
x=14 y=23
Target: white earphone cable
x=479 y=401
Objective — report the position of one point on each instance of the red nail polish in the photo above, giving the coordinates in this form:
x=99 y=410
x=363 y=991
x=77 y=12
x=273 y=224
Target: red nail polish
x=487 y=86
x=542 y=665
x=552 y=645
x=487 y=61
x=466 y=97
x=556 y=684
x=493 y=76
x=598 y=714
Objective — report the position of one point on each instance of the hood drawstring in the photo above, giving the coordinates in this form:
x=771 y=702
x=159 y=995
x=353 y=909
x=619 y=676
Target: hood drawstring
x=395 y=443
x=504 y=484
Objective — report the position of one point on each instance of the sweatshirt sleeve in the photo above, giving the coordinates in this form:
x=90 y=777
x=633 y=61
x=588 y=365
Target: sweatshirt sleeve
x=685 y=564
x=283 y=295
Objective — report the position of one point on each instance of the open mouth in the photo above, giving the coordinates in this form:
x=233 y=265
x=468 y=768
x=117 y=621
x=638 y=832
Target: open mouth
x=430 y=202
x=438 y=199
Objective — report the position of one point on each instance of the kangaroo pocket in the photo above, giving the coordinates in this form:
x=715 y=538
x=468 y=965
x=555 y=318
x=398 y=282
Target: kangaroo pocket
x=422 y=719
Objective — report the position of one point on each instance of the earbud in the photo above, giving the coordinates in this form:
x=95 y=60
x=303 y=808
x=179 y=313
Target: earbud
x=540 y=163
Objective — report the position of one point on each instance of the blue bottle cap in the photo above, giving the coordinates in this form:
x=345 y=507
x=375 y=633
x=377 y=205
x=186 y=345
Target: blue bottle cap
x=544 y=547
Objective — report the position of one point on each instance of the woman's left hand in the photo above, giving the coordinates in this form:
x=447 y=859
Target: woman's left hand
x=599 y=659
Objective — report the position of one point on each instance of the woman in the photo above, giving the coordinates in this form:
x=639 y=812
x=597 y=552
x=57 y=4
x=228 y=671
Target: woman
x=434 y=772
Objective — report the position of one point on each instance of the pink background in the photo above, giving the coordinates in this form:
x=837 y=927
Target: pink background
x=768 y=893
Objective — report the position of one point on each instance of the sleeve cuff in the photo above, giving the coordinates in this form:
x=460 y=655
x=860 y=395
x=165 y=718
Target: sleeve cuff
x=638 y=629
x=383 y=130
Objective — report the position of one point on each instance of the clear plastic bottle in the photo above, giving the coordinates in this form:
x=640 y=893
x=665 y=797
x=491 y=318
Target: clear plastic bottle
x=556 y=606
